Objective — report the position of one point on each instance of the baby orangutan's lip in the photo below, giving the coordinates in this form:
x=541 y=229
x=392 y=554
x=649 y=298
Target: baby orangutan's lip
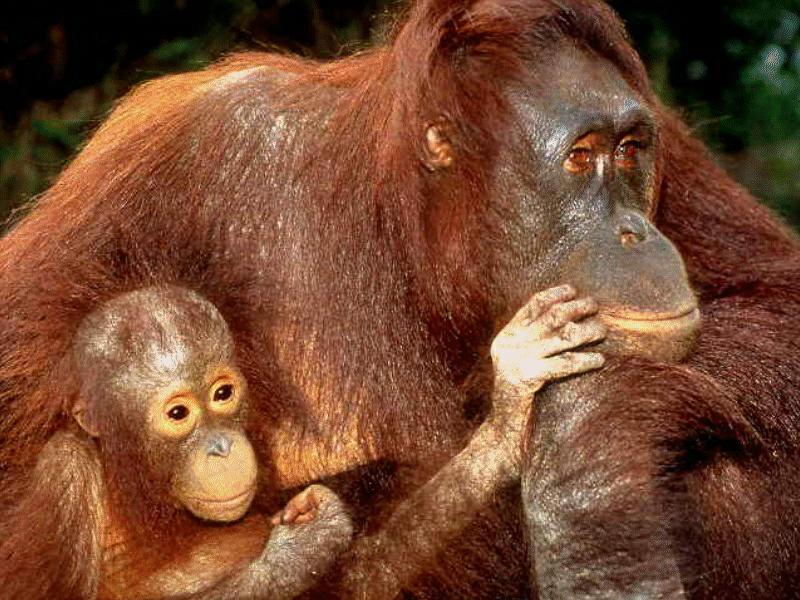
x=236 y=500
x=663 y=324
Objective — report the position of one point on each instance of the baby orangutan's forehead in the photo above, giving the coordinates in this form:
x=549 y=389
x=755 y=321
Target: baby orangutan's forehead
x=171 y=352
x=156 y=366
x=153 y=338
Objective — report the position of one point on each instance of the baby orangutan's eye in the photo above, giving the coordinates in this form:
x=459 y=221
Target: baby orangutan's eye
x=176 y=417
x=178 y=413
x=223 y=393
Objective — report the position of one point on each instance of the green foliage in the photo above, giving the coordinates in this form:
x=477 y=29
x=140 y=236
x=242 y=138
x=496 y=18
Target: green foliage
x=735 y=67
x=66 y=134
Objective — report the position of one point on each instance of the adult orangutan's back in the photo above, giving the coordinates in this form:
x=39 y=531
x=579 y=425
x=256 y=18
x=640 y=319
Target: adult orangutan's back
x=251 y=181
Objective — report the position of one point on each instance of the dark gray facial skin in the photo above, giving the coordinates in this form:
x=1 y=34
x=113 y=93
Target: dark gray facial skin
x=586 y=185
x=592 y=193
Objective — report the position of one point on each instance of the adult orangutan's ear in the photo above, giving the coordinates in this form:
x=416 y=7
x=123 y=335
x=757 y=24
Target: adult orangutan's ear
x=84 y=419
x=438 y=151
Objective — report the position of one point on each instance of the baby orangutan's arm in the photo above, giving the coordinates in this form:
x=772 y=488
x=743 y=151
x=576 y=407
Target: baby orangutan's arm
x=50 y=541
x=530 y=351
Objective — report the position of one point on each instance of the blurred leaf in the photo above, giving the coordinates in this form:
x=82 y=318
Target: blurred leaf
x=7 y=153
x=146 y=6
x=177 y=50
x=733 y=64
x=63 y=133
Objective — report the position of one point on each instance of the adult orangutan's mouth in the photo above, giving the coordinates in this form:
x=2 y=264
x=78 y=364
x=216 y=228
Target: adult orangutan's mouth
x=679 y=323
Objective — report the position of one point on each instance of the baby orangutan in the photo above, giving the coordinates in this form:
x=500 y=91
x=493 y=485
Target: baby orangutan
x=158 y=458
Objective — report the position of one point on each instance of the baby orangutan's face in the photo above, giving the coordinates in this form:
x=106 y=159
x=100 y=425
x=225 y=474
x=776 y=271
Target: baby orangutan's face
x=217 y=473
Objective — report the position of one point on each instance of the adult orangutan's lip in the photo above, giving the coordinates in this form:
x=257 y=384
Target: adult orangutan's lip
x=684 y=322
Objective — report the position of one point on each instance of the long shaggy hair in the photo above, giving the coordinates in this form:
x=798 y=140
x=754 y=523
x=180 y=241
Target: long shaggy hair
x=359 y=287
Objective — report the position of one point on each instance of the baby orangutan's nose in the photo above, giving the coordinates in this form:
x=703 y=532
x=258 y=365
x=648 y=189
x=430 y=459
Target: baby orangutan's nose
x=219 y=445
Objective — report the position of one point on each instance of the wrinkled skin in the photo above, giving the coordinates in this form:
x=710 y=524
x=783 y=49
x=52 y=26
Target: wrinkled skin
x=593 y=228
x=598 y=217
x=577 y=180
x=539 y=345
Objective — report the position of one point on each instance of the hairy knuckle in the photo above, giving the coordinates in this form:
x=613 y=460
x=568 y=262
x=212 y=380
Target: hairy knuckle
x=598 y=333
x=556 y=315
x=563 y=290
x=530 y=311
x=572 y=332
x=589 y=305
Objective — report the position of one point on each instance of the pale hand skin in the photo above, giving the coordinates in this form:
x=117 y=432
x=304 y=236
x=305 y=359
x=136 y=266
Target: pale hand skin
x=302 y=508
x=532 y=349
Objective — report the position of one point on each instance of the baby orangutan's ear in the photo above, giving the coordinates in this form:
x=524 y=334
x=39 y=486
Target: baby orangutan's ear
x=80 y=413
x=438 y=151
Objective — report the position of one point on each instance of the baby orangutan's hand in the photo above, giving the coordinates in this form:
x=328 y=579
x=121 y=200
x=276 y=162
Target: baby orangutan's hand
x=532 y=349
x=303 y=508
x=307 y=537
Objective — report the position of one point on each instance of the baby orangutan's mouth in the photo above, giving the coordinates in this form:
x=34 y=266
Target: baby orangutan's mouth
x=227 y=509
x=233 y=501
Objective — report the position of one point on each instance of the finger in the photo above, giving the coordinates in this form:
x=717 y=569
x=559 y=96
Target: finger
x=319 y=495
x=541 y=301
x=289 y=514
x=561 y=314
x=571 y=336
x=306 y=517
x=572 y=363
x=277 y=518
x=306 y=501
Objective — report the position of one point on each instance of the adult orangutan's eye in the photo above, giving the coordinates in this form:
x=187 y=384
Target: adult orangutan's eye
x=579 y=160
x=627 y=152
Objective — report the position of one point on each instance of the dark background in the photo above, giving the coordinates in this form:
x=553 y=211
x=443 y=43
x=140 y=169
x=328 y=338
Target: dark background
x=734 y=66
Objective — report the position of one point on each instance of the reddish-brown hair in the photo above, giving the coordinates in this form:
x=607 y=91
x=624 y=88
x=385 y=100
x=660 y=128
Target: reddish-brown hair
x=374 y=283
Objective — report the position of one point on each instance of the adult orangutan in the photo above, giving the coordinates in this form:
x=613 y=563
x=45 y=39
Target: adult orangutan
x=366 y=225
